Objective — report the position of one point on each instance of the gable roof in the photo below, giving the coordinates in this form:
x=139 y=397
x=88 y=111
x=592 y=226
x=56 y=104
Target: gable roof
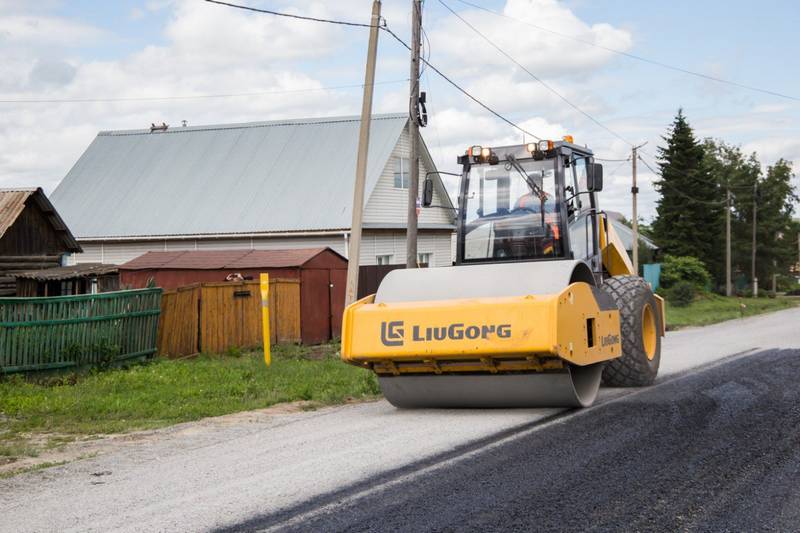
x=625 y=234
x=225 y=259
x=277 y=176
x=13 y=202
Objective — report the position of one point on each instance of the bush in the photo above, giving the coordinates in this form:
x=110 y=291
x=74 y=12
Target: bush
x=681 y=294
x=684 y=268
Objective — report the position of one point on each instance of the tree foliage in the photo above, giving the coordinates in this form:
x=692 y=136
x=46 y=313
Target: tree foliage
x=689 y=220
x=776 y=239
x=684 y=269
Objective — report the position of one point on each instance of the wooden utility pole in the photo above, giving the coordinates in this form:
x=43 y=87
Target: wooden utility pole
x=728 y=284
x=354 y=253
x=634 y=211
x=755 y=219
x=413 y=131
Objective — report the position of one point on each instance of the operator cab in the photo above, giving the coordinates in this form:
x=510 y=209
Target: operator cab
x=531 y=202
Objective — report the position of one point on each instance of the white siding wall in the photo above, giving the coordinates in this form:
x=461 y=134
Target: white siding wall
x=373 y=244
x=388 y=204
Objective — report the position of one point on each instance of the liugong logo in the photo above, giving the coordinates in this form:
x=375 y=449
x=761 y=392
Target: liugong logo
x=393 y=333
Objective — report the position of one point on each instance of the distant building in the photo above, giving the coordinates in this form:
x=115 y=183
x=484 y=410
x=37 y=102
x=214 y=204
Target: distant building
x=625 y=233
x=262 y=185
x=32 y=235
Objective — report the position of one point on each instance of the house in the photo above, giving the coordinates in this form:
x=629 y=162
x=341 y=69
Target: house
x=321 y=273
x=86 y=278
x=32 y=235
x=262 y=185
x=625 y=233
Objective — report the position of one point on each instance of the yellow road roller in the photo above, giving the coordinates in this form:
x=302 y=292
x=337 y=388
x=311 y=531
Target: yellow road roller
x=541 y=305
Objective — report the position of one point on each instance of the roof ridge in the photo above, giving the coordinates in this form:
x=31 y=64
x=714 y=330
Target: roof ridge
x=311 y=121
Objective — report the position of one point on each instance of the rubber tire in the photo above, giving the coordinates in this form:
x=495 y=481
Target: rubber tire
x=632 y=368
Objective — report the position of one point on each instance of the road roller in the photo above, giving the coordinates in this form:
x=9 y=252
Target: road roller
x=540 y=306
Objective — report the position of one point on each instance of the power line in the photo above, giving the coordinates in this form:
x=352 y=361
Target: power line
x=288 y=15
x=398 y=39
x=677 y=190
x=606 y=160
x=534 y=76
x=185 y=97
x=461 y=89
x=633 y=56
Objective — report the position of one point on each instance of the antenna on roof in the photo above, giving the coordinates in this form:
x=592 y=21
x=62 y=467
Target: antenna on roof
x=184 y=123
x=162 y=127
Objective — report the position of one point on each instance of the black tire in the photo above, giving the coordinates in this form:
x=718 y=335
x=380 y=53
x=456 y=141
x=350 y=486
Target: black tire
x=633 y=368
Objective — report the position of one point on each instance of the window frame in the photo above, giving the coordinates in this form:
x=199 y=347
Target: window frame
x=401 y=172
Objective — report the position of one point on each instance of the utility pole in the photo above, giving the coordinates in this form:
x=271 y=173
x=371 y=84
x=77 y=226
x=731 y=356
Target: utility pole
x=634 y=210
x=413 y=131
x=354 y=253
x=728 y=285
x=755 y=219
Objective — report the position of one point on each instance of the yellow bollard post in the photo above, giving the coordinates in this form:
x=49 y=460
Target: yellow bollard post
x=265 y=315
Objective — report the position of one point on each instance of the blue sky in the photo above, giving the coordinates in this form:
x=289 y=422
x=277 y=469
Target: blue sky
x=133 y=48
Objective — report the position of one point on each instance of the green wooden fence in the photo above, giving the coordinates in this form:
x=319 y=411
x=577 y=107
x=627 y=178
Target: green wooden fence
x=73 y=331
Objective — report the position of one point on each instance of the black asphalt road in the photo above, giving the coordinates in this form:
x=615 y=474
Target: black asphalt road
x=716 y=450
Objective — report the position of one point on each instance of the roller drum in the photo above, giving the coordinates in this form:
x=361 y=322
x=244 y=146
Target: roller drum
x=575 y=386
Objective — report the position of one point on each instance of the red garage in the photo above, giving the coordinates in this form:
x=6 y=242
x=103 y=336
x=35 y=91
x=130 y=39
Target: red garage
x=322 y=273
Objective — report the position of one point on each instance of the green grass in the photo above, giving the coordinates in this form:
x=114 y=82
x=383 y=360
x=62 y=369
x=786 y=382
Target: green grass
x=712 y=308
x=35 y=416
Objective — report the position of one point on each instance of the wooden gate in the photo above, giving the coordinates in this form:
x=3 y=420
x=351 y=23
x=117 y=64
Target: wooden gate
x=213 y=317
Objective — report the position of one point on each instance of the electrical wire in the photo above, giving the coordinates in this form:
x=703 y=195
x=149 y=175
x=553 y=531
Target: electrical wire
x=632 y=56
x=664 y=183
x=461 y=89
x=385 y=28
x=185 y=97
x=534 y=76
x=606 y=160
x=289 y=15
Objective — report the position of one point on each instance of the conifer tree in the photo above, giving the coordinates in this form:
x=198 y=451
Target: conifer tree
x=689 y=218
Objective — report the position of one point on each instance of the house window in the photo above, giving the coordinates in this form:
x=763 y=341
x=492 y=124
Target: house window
x=401 y=173
x=384 y=259
x=424 y=259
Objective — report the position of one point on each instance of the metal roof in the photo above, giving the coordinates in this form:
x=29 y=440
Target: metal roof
x=225 y=259
x=83 y=270
x=285 y=175
x=13 y=202
x=626 y=236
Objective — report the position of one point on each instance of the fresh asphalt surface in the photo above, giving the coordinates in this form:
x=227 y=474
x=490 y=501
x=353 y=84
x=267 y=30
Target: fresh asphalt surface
x=713 y=446
x=717 y=450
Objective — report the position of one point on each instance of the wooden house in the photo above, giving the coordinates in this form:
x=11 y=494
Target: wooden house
x=32 y=235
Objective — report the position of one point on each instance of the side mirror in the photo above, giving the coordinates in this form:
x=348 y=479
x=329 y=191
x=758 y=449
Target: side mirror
x=427 y=192
x=594 y=177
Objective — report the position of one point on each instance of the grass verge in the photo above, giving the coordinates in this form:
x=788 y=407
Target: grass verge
x=712 y=308
x=37 y=416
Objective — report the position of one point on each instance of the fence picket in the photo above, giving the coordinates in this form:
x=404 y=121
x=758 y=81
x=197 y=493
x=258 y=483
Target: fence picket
x=64 y=331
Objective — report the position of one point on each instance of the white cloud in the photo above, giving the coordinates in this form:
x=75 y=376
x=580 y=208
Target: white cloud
x=545 y=54
x=41 y=31
x=210 y=49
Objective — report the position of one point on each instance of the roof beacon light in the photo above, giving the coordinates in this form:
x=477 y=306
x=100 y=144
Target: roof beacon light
x=568 y=138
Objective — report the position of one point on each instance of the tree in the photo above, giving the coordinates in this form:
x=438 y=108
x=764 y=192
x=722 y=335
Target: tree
x=734 y=171
x=776 y=248
x=689 y=220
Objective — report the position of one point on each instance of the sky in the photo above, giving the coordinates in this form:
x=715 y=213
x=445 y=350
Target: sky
x=288 y=68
